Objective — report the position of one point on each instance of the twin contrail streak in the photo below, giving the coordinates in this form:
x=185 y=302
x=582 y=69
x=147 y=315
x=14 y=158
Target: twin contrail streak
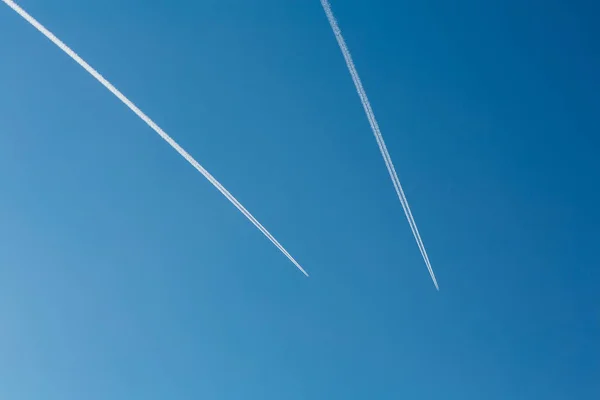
x=375 y=127
x=151 y=124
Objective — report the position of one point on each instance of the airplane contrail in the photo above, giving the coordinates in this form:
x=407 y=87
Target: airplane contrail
x=375 y=128
x=151 y=124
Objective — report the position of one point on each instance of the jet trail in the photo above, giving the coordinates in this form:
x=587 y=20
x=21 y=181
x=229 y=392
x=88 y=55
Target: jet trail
x=375 y=128
x=151 y=124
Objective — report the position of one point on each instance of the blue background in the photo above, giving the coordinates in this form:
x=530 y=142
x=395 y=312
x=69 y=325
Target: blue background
x=124 y=274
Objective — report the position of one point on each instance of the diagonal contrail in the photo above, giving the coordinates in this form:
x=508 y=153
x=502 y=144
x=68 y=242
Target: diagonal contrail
x=151 y=124
x=375 y=127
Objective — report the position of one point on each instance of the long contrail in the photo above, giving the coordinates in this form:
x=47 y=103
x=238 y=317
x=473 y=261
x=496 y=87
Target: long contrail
x=375 y=128
x=151 y=124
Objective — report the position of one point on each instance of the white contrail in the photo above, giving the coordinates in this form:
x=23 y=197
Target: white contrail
x=151 y=124
x=375 y=127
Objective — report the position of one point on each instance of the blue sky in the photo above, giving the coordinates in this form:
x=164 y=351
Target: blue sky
x=125 y=274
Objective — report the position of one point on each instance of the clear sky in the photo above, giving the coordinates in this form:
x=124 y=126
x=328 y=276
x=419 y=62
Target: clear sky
x=125 y=275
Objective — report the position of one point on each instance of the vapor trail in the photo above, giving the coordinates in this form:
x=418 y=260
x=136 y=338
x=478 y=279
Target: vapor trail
x=375 y=128
x=151 y=124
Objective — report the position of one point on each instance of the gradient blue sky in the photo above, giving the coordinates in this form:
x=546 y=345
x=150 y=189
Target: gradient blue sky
x=125 y=275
